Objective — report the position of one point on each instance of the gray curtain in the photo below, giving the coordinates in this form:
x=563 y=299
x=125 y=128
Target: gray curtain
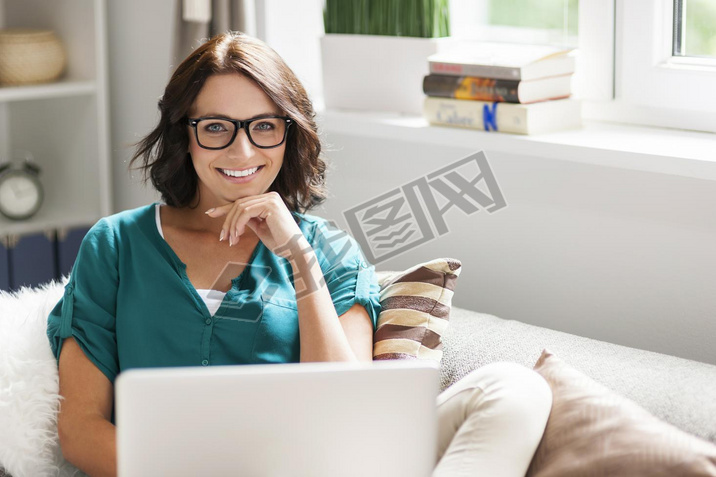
x=192 y=29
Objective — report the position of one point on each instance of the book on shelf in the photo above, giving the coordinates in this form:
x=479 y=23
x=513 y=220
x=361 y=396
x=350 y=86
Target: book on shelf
x=503 y=61
x=4 y=266
x=32 y=261
x=491 y=89
x=535 y=118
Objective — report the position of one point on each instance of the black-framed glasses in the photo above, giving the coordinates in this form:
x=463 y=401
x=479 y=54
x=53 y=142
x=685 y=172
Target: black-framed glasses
x=218 y=133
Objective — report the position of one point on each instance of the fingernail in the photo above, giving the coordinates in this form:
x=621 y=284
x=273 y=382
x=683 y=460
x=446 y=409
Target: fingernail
x=210 y=210
x=231 y=241
x=222 y=236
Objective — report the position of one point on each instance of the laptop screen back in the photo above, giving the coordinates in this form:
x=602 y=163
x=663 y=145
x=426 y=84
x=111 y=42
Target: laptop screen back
x=312 y=419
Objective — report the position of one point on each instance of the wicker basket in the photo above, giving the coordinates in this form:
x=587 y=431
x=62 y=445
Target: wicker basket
x=30 y=56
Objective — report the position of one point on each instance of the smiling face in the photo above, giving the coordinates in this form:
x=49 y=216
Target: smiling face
x=233 y=96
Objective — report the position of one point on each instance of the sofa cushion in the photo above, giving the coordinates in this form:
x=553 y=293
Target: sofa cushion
x=415 y=308
x=29 y=384
x=594 y=431
x=679 y=391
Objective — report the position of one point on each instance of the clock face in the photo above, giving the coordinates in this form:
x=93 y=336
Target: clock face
x=20 y=194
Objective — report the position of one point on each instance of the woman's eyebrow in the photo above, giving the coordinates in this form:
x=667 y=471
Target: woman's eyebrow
x=222 y=115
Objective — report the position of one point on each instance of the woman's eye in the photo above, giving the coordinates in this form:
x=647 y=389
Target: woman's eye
x=262 y=126
x=215 y=128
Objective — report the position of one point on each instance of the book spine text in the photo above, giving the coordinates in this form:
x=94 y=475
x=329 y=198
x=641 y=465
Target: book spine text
x=482 y=115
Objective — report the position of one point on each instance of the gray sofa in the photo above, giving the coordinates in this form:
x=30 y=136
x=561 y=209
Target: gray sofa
x=679 y=391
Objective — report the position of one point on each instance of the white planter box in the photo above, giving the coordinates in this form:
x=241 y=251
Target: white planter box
x=376 y=72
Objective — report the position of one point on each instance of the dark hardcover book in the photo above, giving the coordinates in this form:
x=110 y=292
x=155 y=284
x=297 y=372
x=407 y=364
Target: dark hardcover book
x=32 y=261
x=471 y=87
x=4 y=266
x=68 y=245
x=476 y=88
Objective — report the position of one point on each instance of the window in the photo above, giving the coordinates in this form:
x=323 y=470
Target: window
x=584 y=24
x=664 y=73
x=695 y=28
x=516 y=21
x=650 y=62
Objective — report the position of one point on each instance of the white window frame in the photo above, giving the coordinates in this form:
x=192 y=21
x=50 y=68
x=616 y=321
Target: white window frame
x=594 y=77
x=649 y=86
x=623 y=45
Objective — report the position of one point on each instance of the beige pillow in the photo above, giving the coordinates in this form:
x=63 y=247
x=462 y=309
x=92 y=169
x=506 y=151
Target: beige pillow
x=594 y=431
x=415 y=308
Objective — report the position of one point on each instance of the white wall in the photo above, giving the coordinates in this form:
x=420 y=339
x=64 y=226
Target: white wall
x=612 y=254
x=297 y=41
x=139 y=45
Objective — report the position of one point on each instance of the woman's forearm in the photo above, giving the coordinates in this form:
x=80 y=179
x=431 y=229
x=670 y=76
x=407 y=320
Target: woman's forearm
x=91 y=446
x=321 y=335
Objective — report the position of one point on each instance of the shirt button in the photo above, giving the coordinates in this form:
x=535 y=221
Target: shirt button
x=205 y=362
x=208 y=321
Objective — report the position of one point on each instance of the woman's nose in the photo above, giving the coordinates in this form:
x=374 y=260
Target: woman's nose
x=241 y=145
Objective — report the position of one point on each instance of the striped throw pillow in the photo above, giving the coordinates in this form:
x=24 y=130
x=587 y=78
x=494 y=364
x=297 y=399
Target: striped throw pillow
x=415 y=308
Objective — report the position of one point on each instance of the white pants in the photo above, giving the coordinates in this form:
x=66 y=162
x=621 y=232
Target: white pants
x=491 y=422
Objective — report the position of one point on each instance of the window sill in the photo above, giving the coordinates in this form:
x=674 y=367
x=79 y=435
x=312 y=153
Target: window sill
x=665 y=151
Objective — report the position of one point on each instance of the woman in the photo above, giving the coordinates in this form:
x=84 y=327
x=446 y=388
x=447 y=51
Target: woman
x=229 y=269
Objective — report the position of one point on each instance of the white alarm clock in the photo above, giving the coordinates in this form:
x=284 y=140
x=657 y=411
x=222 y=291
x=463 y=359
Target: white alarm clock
x=21 y=192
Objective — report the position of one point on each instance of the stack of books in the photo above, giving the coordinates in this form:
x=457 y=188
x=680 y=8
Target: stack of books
x=502 y=87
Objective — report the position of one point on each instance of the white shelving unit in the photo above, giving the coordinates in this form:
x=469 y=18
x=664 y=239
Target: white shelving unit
x=63 y=124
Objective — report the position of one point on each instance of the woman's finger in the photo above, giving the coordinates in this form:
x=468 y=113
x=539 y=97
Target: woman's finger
x=219 y=211
x=238 y=209
x=228 y=211
x=226 y=208
x=254 y=210
x=229 y=224
x=232 y=229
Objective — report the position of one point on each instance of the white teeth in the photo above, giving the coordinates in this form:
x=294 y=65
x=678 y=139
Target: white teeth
x=245 y=173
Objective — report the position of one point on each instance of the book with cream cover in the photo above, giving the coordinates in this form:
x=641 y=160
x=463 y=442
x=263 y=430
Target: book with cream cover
x=503 y=61
x=535 y=118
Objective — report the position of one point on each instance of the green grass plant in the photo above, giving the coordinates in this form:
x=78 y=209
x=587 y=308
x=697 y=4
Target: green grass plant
x=416 y=18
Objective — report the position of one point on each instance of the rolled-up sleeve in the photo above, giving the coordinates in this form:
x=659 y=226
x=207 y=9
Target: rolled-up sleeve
x=349 y=276
x=87 y=309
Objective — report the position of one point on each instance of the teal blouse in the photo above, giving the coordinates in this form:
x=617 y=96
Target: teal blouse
x=129 y=303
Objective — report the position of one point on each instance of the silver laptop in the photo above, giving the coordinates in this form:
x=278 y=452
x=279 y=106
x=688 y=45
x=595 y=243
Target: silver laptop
x=310 y=419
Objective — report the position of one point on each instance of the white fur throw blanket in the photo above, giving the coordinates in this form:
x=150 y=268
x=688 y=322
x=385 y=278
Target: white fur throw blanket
x=29 y=385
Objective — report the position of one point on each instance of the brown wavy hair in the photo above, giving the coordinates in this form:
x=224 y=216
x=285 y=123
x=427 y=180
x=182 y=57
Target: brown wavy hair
x=163 y=152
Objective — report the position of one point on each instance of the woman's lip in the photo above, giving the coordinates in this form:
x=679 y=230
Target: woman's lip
x=239 y=180
x=236 y=170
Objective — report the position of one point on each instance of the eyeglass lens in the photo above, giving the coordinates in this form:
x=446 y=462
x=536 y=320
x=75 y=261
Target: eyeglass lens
x=266 y=132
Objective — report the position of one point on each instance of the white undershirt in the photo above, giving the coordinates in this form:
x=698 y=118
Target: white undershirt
x=212 y=302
